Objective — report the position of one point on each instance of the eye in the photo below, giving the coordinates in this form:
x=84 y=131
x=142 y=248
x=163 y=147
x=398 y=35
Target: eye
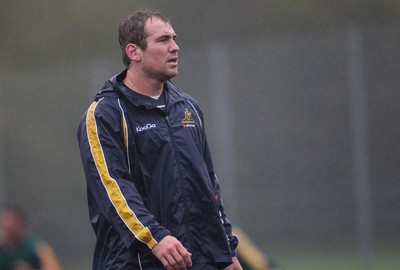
x=164 y=39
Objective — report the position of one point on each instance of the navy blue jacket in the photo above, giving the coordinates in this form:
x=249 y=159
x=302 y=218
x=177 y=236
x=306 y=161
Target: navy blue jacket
x=149 y=174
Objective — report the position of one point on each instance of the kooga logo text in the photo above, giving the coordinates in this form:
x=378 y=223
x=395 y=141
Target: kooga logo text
x=146 y=127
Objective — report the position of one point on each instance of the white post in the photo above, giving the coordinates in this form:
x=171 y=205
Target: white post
x=222 y=109
x=2 y=174
x=360 y=151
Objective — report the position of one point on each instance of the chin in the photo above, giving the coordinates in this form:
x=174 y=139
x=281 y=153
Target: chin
x=171 y=75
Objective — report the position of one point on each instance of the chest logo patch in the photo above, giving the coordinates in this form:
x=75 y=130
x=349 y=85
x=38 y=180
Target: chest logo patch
x=187 y=120
x=146 y=127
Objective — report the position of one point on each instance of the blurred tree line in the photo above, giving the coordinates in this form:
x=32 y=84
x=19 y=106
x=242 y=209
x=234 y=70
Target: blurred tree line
x=49 y=32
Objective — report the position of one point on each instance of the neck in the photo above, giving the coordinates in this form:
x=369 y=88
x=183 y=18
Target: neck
x=143 y=85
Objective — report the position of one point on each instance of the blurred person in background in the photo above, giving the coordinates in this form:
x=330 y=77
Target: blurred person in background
x=250 y=255
x=154 y=200
x=18 y=249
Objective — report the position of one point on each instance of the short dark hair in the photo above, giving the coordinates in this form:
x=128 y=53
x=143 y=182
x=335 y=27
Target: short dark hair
x=131 y=30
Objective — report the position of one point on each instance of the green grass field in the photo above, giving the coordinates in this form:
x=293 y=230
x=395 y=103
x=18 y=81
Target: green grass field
x=306 y=260
x=382 y=260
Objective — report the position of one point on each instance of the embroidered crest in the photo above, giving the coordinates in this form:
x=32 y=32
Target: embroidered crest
x=187 y=120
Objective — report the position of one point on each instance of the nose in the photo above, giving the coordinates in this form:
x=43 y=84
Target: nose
x=174 y=46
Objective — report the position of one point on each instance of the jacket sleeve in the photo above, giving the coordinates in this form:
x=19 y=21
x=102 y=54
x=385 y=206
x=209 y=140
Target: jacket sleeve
x=233 y=240
x=109 y=181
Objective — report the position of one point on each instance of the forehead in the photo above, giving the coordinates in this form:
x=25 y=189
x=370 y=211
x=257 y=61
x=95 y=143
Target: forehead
x=157 y=27
x=8 y=217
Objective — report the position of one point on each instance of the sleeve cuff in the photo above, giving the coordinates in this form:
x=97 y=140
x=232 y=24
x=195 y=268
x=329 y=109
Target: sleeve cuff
x=233 y=242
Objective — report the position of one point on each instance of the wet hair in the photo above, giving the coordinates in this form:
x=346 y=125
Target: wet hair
x=131 y=30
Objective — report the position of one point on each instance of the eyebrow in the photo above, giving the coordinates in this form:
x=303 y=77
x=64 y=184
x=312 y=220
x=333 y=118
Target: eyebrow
x=167 y=36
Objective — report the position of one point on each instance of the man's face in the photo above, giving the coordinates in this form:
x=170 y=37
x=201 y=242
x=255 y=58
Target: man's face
x=159 y=60
x=12 y=228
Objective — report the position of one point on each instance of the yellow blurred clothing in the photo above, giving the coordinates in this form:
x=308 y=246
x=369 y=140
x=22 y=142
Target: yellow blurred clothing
x=47 y=257
x=249 y=255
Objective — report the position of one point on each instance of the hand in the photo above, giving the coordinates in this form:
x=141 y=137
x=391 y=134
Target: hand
x=172 y=254
x=235 y=265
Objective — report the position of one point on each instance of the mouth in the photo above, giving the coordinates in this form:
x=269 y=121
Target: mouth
x=173 y=60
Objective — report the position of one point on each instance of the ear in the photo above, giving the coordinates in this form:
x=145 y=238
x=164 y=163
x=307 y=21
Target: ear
x=133 y=52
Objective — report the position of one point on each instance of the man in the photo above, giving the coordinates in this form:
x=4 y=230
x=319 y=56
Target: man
x=153 y=197
x=19 y=251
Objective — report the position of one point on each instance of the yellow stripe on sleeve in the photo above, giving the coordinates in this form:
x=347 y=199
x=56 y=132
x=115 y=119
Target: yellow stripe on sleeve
x=125 y=131
x=142 y=233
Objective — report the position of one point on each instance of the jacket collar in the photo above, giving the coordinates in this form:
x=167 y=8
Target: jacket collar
x=114 y=86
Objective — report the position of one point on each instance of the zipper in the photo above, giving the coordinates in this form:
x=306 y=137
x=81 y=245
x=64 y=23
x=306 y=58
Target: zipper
x=174 y=146
x=139 y=261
